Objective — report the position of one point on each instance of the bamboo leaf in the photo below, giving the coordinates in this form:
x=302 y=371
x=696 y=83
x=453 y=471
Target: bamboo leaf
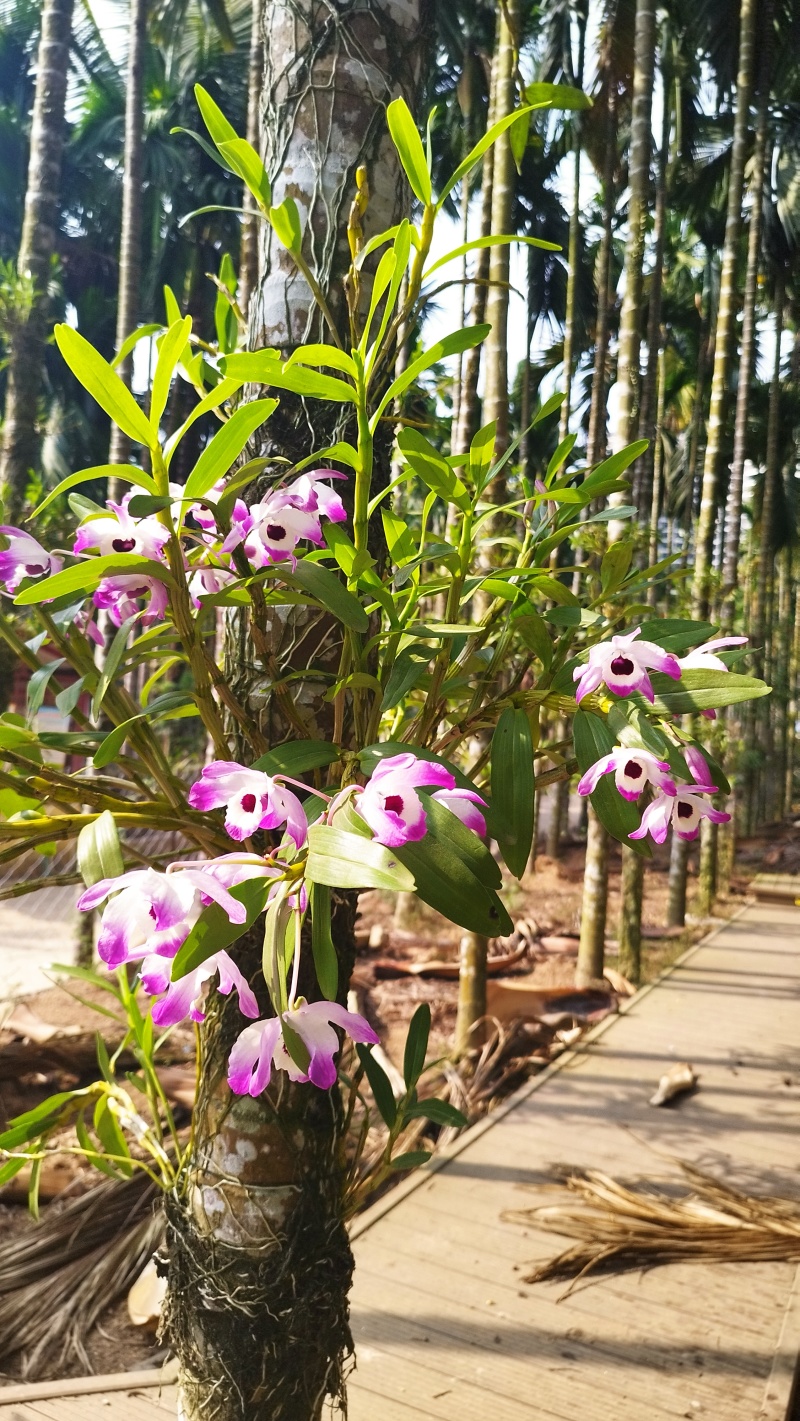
x=408 y=143
x=296 y=757
x=127 y=472
x=419 y=1029
x=513 y=788
x=326 y=963
x=214 y=930
x=325 y=586
x=98 y=850
x=169 y=354
x=103 y=383
x=224 y=449
x=84 y=576
x=340 y=859
x=380 y=1086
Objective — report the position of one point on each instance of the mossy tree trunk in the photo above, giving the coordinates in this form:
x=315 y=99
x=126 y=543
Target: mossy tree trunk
x=259 y=1260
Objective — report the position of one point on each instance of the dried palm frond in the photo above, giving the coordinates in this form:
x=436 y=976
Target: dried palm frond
x=61 y=1274
x=622 y=1228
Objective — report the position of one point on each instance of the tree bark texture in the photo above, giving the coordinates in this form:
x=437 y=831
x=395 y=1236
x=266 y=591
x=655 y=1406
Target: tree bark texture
x=630 y=915
x=130 y=244
x=495 y=404
x=469 y=404
x=473 y=953
x=248 y=254
x=597 y=410
x=639 y=182
x=726 y=315
x=20 y=447
x=260 y=1264
x=591 y=949
x=678 y=865
x=643 y=476
x=747 y=347
x=707 y=877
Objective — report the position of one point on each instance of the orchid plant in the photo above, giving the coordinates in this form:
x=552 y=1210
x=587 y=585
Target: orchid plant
x=449 y=660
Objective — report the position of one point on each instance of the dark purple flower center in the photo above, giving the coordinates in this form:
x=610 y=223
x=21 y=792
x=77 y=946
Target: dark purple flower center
x=393 y=803
x=622 y=666
x=34 y=568
x=123 y=545
x=153 y=913
x=633 y=770
x=248 y=803
x=685 y=811
x=275 y=532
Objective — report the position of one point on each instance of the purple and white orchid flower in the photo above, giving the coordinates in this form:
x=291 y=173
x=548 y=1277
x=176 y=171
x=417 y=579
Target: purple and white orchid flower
x=151 y=914
x=252 y=800
x=121 y=596
x=119 y=532
x=186 y=996
x=622 y=663
x=24 y=557
x=311 y=494
x=702 y=658
x=683 y=810
x=260 y=1048
x=206 y=580
x=632 y=770
x=390 y=804
x=463 y=803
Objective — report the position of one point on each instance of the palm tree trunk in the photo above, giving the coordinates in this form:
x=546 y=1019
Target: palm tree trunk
x=259 y=1259
x=248 y=252
x=630 y=915
x=495 y=405
x=20 y=447
x=658 y=470
x=594 y=904
x=573 y=250
x=471 y=992
x=648 y=415
x=726 y=316
x=678 y=865
x=597 y=410
x=747 y=348
x=639 y=182
x=130 y=245
x=771 y=474
x=469 y=404
x=707 y=876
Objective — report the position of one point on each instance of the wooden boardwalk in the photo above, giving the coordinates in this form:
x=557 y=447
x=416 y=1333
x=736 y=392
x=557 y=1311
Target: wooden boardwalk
x=446 y=1330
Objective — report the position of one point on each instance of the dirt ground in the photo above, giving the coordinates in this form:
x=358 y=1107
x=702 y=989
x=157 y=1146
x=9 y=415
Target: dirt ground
x=547 y=905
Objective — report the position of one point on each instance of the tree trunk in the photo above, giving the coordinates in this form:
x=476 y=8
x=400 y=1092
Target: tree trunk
x=658 y=471
x=469 y=404
x=648 y=415
x=678 y=865
x=573 y=250
x=758 y=621
x=726 y=315
x=130 y=243
x=20 y=447
x=591 y=950
x=747 y=349
x=597 y=411
x=473 y=953
x=639 y=182
x=260 y=1262
x=707 y=878
x=630 y=915
x=248 y=252
x=495 y=404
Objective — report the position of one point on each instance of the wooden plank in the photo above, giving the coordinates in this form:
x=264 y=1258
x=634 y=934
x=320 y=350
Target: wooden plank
x=81 y=1386
x=782 y=1382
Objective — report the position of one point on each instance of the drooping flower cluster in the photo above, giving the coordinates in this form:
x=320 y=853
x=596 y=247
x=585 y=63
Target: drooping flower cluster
x=679 y=805
x=268 y=533
x=148 y=915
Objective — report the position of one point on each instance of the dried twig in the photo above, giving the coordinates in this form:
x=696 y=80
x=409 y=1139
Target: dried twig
x=623 y=1228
